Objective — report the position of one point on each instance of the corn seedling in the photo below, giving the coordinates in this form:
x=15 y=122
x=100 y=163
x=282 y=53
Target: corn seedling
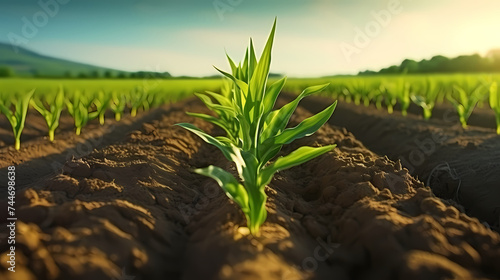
x=102 y=103
x=403 y=95
x=50 y=110
x=78 y=107
x=346 y=95
x=138 y=98
x=357 y=90
x=118 y=104
x=425 y=97
x=389 y=96
x=156 y=99
x=494 y=101
x=466 y=103
x=18 y=117
x=260 y=132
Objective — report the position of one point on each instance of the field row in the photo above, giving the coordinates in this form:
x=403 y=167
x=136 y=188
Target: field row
x=91 y=99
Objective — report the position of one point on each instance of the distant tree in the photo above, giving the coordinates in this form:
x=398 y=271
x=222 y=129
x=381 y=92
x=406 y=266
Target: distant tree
x=409 y=66
x=6 y=71
x=95 y=74
x=390 y=70
x=275 y=75
x=367 y=72
x=108 y=74
x=83 y=75
x=440 y=63
x=493 y=59
x=469 y=63
x=35 y=73
x=425 y=66
x=123 y=75
x=68 y=74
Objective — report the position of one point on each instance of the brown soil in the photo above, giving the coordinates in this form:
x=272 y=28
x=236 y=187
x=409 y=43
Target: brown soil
x=127 y=207
x=462 y=165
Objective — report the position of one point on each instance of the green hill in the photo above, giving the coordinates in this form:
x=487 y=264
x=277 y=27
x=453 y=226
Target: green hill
x=26 y=63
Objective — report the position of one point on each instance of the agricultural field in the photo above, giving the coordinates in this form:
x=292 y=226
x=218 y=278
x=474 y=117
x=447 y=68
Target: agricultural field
x=250 y=175
x=113 y=143
x=106 y=154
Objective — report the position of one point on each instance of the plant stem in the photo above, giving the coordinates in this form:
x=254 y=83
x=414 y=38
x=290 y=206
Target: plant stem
x=256 y=208
x=463 y=122
x=357 y=100
x=427 y=113
x=390 y=109
x=51 y=135
x=78 y=130
x=498 y=123
x=18 y=143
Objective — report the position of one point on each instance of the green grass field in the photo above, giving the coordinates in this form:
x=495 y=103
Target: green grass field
x=175 y=87
x=86 y=99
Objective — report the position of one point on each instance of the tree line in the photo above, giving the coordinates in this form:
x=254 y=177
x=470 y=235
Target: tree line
x=443 y=64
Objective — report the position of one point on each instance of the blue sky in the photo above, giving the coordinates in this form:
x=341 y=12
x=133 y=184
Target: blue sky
x=313 y=38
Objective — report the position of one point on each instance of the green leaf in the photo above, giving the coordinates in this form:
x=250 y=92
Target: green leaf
x=233 y=189
x=221 y=110
x=224 y=101
x=420 y=101
x=247 y=166
x=258 y=80
x=18 y=117
x=227 y=151
x=272 y=94
x=234 y=69
x=278 y=121
x=306 y=127
x=299 y=156
x=493 y=98
x=22 y=111
x=252 y=61
x=241 y=84
x=462 y=94
x=213 y=120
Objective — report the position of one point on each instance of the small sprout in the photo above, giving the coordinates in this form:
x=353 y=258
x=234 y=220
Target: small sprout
x=18 y=117
x=78 y=107
x=50 y=110
x=494 y=101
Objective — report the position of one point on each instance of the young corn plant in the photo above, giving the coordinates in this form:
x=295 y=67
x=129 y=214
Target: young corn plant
x=138 y=99
x=466 y=101
x=374 y=95
x=118 y=104
x=102 y=103
x=389 y=96
x=78 y=107
x=17 y=118
x=426 y=96
x=357 y=89
x=494 y=100
x=50 y=110
x=402 y=88
x=156 y=99
x=256 y=132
